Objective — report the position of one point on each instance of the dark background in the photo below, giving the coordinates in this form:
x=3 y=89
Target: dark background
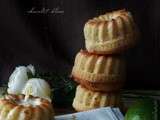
x=51 y=41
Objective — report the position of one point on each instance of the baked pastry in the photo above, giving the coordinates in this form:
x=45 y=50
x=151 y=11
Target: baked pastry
x=16 y=107
x=86 y=99
x=110 y=33
x=99 y=72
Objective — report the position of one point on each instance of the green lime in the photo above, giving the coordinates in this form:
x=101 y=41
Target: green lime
x=144 y=109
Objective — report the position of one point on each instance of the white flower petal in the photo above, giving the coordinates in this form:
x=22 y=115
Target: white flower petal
x=31 y=69
x=17 y=80
x=37 y=87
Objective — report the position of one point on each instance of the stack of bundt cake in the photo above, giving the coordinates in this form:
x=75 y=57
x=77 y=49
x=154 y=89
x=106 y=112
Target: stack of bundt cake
x=100 y=70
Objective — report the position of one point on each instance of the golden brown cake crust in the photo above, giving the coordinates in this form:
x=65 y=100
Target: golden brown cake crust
x=114 y=47
x=86 y=99
x=100 y=87
x=99 y=72
x=110 y=33
x=12 y=106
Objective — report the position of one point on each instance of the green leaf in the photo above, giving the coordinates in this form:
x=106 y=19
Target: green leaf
x=63 y=88
x=30 y=75
x=3 y=91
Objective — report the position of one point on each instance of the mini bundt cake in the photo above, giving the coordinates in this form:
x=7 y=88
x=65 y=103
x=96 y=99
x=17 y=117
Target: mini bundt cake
x=99 y=72
x=110 y=33
x=86 y=99
x=16 y=107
